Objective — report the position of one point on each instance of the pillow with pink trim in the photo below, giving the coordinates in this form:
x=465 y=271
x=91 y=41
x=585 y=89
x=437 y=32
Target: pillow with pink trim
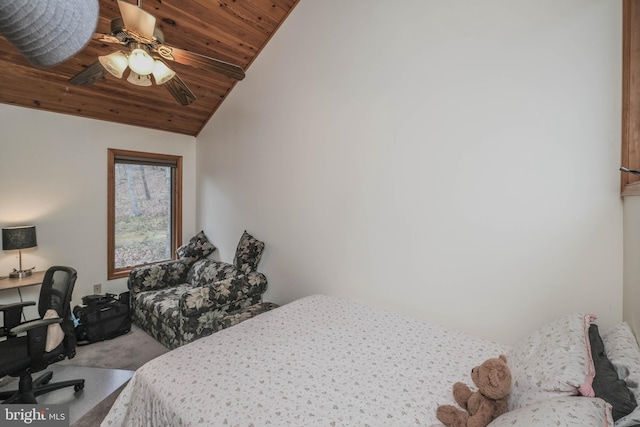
x=553 y=361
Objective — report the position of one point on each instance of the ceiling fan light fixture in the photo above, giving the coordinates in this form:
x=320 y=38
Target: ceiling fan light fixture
x=138 y=79
x=115 y=63
x=141 y=62
x=162 y=73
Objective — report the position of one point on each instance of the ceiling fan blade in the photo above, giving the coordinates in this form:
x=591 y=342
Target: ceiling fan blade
x=106 y=38
x=180 y=91
x=137 y=20
x=89 y=75
x=202 y=62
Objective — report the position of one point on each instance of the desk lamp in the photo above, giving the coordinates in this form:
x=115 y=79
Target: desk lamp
x=19 y=237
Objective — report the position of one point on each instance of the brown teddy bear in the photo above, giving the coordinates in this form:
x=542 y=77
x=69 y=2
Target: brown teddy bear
x=493 y=379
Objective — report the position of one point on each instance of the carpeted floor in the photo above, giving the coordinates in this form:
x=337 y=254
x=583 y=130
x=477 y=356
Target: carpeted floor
x=128 y=352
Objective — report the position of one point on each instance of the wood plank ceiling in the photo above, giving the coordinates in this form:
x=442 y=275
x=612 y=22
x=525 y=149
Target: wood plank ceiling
x=234 y=31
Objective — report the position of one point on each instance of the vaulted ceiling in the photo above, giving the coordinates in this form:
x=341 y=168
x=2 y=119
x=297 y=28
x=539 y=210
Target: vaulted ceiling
x=234 y=31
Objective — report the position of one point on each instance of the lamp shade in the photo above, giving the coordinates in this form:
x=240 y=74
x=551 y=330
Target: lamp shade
x=115 y=63
x=138 y=80
x=48 y=32
x=162 y=73
x=20 y=237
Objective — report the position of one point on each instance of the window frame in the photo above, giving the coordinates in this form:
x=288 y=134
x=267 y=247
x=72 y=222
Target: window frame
x=630 y=184
x=116 y=156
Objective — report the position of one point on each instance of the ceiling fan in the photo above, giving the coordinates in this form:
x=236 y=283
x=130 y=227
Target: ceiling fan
x=141 y=48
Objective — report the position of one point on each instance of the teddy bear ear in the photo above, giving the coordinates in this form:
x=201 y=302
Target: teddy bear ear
x=504 y=358
x=494 y=377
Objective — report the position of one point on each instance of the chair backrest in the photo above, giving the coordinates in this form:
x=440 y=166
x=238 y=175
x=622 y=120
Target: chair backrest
x=56 y=291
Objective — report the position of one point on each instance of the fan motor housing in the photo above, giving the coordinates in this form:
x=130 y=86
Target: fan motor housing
x=117 y=27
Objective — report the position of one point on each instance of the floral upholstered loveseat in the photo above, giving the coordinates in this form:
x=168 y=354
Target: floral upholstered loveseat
x=182 y=300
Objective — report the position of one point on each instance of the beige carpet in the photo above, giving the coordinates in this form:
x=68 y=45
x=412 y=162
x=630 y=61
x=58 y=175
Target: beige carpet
x=129 y=352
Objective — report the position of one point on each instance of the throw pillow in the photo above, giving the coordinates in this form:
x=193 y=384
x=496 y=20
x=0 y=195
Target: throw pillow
x=606 y=383
x=198 y=247
x=248 y=253
x=622 y=350
x=55 y=335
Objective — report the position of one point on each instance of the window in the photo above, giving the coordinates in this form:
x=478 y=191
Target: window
x=144 y=198
x=630 y=96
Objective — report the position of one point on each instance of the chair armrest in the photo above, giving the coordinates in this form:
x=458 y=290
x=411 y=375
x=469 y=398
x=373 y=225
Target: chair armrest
x=11 y=315
x=34 y=324
x=157 y=276
x=219 y=294
x=14 y=305
x=36 y=339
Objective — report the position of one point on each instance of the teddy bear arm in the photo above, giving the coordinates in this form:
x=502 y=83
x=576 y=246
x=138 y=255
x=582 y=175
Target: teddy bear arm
x=474 y=402
x=461 y=394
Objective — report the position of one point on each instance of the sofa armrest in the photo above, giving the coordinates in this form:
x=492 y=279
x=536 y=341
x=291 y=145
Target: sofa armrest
x=220 y=294
x=157 y=276
x=256 y=280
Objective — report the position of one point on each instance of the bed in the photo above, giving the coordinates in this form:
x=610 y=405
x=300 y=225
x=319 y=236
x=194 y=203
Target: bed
x=326 y=361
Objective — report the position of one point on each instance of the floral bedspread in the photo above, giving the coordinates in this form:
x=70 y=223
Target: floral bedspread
x=316 y=361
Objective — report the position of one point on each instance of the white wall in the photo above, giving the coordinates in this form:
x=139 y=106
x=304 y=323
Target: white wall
x=453 y=161
x=53 y=174
x=631 y=294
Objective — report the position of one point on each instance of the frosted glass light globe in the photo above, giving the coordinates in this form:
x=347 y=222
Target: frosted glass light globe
x=141 y=62
x=115 y=63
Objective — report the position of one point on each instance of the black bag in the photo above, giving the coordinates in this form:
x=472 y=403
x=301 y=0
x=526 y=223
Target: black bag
x=103 y=318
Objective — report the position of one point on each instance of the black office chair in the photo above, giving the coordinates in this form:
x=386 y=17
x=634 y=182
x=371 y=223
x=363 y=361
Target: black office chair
x=23 y=351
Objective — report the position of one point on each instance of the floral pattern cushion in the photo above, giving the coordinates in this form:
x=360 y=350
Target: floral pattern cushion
x=201 y=298
x=198 y=247
x=157 y=276
x=248 y=253
x=208 y=271
x=163 y=303
x=565 y=412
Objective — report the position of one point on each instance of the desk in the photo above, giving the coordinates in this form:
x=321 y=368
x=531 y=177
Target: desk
x=34 y=279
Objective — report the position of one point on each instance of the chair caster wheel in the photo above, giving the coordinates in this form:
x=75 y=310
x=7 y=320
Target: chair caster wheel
x=78 y=387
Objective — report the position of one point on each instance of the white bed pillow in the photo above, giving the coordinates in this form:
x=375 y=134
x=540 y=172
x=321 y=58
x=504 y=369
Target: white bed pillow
x=622 y=350
x=553 y=361
x=560 y=412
